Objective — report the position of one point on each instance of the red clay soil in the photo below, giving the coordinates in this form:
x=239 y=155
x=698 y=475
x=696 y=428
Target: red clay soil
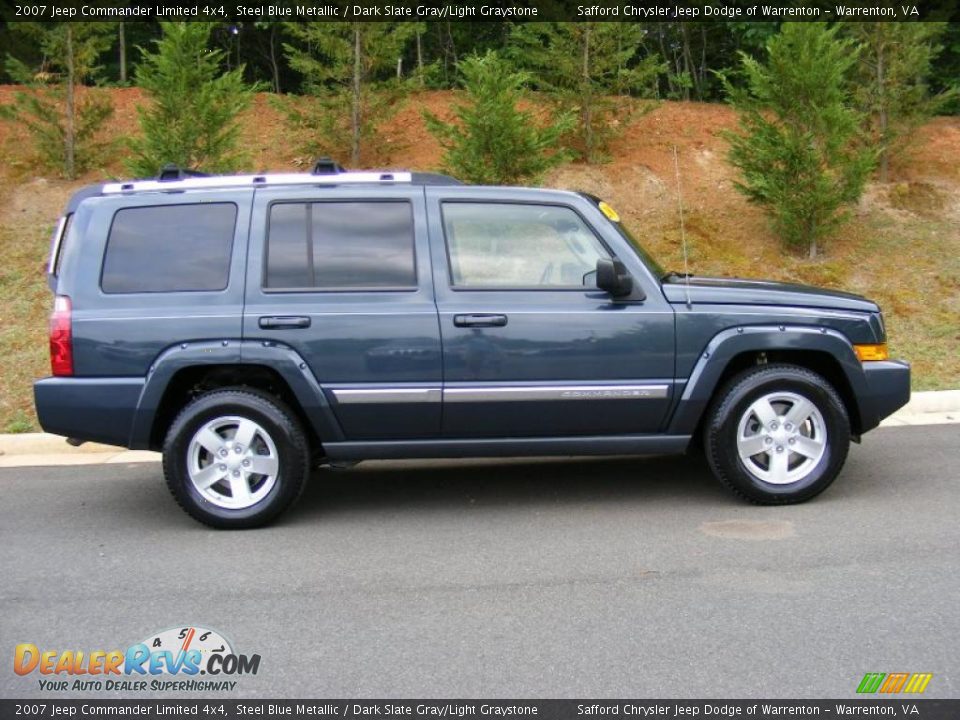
x=646 y=144
x=640 y=179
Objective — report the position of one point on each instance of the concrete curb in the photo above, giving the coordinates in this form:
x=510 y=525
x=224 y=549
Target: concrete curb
x=27 y=449
x=932 y=407
x=932 y=401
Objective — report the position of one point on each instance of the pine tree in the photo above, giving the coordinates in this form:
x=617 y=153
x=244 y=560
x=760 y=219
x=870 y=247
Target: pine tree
x=192 y=117
x=589 y=69
x=798 y=149
x=62 y=119
x=892 y=80
x=494 y=142
x=343 y=64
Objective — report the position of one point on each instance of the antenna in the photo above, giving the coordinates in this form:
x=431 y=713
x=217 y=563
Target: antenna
x=683 y=229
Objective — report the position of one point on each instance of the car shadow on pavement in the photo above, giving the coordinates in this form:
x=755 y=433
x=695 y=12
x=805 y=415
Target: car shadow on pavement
x=452 y=484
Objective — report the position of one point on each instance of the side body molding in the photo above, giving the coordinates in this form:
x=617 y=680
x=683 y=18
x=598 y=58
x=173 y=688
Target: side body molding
x=291 y=367
x=724 y=346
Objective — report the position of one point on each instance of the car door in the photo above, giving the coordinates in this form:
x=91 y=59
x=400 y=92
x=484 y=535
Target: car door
x=531 y=347
x=342 y=276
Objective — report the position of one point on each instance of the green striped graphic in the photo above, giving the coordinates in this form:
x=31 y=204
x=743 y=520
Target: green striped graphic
x=871 y=682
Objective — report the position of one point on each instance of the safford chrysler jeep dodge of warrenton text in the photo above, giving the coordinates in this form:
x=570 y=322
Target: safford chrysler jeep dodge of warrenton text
x=251 y=327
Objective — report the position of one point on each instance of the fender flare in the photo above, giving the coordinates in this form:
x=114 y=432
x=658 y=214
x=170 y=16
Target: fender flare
x=291 y=367
x=727 y=344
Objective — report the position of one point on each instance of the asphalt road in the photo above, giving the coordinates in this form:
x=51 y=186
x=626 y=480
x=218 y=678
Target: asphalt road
x=572 y=578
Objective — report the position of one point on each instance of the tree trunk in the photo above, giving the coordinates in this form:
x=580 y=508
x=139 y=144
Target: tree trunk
x=688 y=64
x=355 y=115
x=678 y=63
x=441 y=43
x=619 y=86
x=882 y=119
x=69 y=132
x=703 y=56
x=586 y=99
x=274 y=65
x=671 y=89
x=420 y=60
x=123 y=55
x=453 y=45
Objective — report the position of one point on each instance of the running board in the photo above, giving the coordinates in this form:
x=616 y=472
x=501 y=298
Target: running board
x=509 y=447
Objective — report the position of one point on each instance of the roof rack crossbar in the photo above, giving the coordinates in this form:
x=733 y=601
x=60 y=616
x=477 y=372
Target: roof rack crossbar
x=269 y=180
x=172 y=172
x=327 y=166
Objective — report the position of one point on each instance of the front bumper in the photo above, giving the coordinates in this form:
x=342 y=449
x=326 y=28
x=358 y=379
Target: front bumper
x=887 y=390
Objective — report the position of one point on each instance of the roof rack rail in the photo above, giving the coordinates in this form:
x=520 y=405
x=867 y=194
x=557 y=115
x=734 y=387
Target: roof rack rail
x=213 y=182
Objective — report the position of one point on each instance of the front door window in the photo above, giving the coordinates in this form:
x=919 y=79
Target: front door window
x=519 y=246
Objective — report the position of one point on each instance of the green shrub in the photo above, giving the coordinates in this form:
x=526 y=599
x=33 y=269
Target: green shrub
x=493 y=141
x=799 y=150
x=62 y=117
x=192 y=119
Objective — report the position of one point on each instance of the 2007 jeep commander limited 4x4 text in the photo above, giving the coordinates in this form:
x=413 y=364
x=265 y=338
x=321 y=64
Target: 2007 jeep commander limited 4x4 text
x=254 y=326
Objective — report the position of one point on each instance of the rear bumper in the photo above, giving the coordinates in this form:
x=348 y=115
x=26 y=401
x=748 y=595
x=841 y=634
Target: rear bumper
x=94 y=409
x=887 y=390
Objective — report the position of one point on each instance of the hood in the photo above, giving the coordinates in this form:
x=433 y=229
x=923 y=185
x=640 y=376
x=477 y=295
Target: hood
x=727 y=291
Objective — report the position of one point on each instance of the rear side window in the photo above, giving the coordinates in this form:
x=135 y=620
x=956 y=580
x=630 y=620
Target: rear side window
x=169 y=248
x=340 y=246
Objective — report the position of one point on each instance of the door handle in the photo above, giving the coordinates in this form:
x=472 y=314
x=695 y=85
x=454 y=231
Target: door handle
x=479 y=320
x=285 y=322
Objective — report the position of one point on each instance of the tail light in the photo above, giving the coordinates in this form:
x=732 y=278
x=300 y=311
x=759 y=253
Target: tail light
x=61 y=337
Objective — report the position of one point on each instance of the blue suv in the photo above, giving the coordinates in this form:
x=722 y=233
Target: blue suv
x=253 y=327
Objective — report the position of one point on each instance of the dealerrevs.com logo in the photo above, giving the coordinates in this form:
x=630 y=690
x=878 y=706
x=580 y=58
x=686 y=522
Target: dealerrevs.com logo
x=171 y=660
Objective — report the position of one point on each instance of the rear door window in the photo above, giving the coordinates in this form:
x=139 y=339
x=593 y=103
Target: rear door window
x=169 y=248
x=340 y=246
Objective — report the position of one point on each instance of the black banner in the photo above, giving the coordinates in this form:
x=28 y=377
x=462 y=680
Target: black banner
x=491 y=10
x=919 y=709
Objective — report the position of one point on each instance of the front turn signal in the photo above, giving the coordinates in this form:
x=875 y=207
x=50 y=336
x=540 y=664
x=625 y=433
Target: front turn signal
x=869 y=353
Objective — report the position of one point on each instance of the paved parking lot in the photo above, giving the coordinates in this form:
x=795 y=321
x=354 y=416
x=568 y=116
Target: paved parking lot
x=586 y=578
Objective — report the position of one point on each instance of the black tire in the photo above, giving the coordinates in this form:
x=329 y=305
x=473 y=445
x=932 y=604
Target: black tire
x=293 y=456
x=732 y=405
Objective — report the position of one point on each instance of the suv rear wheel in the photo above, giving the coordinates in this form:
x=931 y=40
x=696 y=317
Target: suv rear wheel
x=235 y=458
x=777 y=434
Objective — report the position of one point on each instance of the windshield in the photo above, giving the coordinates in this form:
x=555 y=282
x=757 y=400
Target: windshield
x=647 y=259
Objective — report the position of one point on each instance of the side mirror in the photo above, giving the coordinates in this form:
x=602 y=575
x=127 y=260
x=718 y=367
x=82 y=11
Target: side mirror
x=612 y=276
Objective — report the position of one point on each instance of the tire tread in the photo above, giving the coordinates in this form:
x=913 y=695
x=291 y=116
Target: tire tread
x=730 y=394
x=254 y=396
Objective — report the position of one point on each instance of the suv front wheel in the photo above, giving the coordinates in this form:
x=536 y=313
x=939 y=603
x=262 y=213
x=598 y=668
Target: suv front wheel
x=777 y=434
x=235 y=458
